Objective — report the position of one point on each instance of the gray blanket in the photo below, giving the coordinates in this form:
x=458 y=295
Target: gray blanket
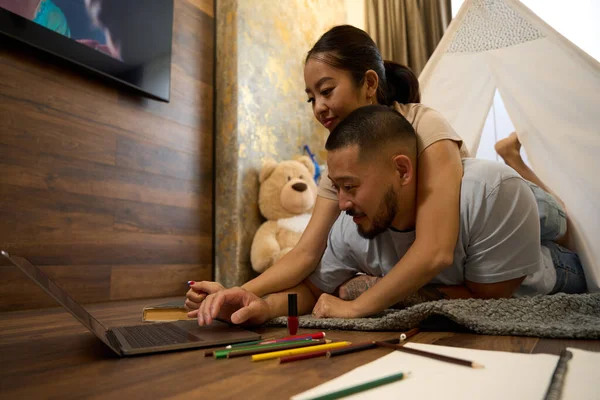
x=556 y=316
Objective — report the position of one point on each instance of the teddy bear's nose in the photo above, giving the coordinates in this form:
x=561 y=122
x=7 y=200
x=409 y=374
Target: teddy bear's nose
x=299 y=186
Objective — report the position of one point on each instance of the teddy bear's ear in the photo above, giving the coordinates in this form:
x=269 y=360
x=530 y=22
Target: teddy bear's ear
x=307 y=163
x=266 y=170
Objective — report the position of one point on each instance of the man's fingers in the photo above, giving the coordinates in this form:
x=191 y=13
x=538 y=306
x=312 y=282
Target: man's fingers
x=204 y=316
x=222 y=304
x=202 y=310
x=248 y=313
x=216 y=305
x=320 y=309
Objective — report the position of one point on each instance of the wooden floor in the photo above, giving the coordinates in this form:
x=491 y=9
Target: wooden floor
x=48 y=354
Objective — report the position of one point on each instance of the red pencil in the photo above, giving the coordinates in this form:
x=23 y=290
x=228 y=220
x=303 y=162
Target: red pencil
x=305 y=356
x=318 y=335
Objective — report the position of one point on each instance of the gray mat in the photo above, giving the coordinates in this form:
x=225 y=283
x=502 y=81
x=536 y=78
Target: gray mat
x=556 y=316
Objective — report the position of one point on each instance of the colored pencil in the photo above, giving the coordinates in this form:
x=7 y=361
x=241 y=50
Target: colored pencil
x=335 y=352
x=362 y=387
x=270 y=342
x=280 y=347
x=316 y=335
x=435 y=356
x=292 y=352
x=319 y=335
x=357 y=347
x=210 y=353
x=244 y=344
x=270 y=347
x=305 y=356
x=407 y=335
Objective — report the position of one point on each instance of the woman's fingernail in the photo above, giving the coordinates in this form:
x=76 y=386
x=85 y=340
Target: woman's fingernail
x=190 y=283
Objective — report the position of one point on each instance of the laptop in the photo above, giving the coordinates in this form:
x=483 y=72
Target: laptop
x=139 y=339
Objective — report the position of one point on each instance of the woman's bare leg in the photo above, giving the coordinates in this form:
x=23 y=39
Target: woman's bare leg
x=510 y=150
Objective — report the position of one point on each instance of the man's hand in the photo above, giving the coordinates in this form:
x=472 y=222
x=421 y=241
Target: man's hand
x=235 y=305
x=198 y=292
x=356 y=286
x=329 y=306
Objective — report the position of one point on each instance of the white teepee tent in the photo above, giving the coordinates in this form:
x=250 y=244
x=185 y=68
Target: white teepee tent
x=551 y=91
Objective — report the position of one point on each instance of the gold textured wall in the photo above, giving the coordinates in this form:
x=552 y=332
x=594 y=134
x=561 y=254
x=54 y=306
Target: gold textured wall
x=261 y=110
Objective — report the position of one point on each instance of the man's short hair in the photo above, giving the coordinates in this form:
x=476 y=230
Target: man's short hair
x=374 y=128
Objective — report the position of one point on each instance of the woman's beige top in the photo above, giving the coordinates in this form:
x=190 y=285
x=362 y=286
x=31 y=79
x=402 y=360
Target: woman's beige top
x=430 y=127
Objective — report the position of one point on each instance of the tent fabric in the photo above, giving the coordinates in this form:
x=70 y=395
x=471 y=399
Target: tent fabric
x=551 y=91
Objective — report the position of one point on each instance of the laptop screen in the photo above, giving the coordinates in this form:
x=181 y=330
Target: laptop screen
x=61 y=296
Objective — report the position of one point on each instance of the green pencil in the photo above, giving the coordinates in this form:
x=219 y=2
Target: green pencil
x=223 y=350
x=361 y=388
x=218 y=354
x=245 y=343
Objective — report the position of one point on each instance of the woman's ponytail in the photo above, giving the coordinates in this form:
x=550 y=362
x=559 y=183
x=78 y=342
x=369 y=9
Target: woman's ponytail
x=402 y=84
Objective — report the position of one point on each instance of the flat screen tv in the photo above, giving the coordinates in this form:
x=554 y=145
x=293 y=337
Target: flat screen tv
x=127 y=40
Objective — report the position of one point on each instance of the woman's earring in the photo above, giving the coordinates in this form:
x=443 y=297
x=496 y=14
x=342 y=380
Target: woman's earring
x=370 y=100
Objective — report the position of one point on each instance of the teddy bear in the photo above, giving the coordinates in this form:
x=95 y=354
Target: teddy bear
x=286 y=197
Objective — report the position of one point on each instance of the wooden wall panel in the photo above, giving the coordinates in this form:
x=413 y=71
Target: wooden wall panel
x=109 y=192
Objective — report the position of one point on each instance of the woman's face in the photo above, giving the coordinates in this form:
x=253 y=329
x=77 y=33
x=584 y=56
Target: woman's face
x=332 y=92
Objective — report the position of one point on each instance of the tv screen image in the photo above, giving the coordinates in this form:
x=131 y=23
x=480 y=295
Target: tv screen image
x=128 y=40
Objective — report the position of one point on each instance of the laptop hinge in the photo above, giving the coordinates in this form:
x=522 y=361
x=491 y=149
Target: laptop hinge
x=114 y=343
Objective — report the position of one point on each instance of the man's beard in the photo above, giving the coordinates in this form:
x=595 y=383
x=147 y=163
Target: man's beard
x=383 y=219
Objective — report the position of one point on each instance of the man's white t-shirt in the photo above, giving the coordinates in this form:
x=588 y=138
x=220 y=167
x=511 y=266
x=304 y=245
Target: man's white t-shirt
x=499 y=238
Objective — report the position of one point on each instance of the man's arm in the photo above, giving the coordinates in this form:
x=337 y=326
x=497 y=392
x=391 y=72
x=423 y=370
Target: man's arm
x=239 y=306
x=353 y=288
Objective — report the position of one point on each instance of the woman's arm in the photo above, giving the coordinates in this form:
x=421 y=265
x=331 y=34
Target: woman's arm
x=296 y=265
x=437 y=225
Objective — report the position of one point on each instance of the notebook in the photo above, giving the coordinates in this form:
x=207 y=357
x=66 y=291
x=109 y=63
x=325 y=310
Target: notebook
x=504 y=376
x=167 y=312
x=138 y=339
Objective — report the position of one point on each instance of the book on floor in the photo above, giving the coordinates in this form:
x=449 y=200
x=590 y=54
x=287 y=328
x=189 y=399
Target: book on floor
x=172 y=311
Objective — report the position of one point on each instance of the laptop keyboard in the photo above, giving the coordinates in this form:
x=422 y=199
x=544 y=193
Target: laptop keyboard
x=140 y=336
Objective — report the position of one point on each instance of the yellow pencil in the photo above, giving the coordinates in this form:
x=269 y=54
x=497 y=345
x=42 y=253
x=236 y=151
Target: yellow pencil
x=302 y=350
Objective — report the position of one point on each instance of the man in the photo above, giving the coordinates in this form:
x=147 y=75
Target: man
x=372 y=161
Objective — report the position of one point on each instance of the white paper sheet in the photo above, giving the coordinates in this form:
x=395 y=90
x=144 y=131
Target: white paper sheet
x=505 y=376
x=583 y=376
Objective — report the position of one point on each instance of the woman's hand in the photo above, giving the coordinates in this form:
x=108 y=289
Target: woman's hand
x=198 y=292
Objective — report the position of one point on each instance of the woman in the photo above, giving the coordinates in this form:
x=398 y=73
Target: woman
x=343 y=71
